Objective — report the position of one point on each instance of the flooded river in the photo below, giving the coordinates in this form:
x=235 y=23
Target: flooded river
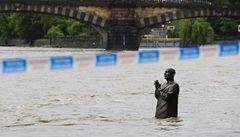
x=119 y=101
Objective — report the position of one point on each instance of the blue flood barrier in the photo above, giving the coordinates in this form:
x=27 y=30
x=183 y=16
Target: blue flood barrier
x=189 y=53
x=106 y=59
x=228 y=49
x=61 y=62
x=14 y=65
x=148 y=56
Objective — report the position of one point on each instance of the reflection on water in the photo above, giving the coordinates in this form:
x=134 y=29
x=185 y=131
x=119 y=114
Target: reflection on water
x=119 y=101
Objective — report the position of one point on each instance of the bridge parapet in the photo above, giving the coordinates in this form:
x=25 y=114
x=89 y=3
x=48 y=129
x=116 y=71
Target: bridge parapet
x=145 y=12
x=121 y=3
x=94 y=10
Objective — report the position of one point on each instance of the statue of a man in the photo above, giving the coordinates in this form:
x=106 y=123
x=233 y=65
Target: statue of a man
x=167 y=96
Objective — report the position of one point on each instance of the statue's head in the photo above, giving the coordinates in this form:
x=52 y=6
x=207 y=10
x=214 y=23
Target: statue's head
x=169 y=73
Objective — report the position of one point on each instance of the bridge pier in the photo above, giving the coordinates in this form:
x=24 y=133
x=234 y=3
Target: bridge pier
x=123 y=38
x=122 y=29
x=104 y=36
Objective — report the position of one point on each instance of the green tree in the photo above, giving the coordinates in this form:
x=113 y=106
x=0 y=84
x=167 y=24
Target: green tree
x=61 y=23
x=229 y=1
x=6 y=28
x=225 y=28
x=234 y=1
x=195 y=31
x=78 y=29
x=29 y=27
x=70 y=27
x=201 y=29
x=228 y=26
x=185 y=31
x=55 y=31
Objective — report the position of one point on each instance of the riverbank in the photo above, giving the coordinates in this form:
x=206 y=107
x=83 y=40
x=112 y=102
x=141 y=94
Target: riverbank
x=95 y=44
x=54 y=43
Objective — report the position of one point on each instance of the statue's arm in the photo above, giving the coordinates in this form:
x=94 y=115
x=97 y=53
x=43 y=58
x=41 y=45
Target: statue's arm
x=157 y=89
x=157 y=94
x=172 y=91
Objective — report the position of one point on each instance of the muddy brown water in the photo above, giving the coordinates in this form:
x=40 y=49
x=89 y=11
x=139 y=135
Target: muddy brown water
x=119 y=101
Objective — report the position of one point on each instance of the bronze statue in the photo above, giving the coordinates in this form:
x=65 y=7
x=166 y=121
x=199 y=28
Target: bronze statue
x=167 y=96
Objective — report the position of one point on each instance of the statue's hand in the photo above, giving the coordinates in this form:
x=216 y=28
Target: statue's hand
x=157 y=84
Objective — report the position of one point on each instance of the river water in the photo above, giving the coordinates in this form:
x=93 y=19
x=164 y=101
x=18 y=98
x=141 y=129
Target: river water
x=119 y=101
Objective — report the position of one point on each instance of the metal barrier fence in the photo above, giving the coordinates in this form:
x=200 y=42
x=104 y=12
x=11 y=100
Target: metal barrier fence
x=40 y=64
x=160 y=42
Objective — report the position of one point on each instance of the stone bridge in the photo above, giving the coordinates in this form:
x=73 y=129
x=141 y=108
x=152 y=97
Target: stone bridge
x=121 y=22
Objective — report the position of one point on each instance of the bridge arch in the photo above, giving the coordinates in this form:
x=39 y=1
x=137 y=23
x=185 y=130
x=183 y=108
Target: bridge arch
x=187 y=13
x=54 y=10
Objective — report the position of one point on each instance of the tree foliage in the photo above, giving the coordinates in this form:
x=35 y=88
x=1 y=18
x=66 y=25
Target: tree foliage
x=195 y=31
x=229 y=1
x=225 y=27
x=55 y=31
x=6 y=27
x=30 y=27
